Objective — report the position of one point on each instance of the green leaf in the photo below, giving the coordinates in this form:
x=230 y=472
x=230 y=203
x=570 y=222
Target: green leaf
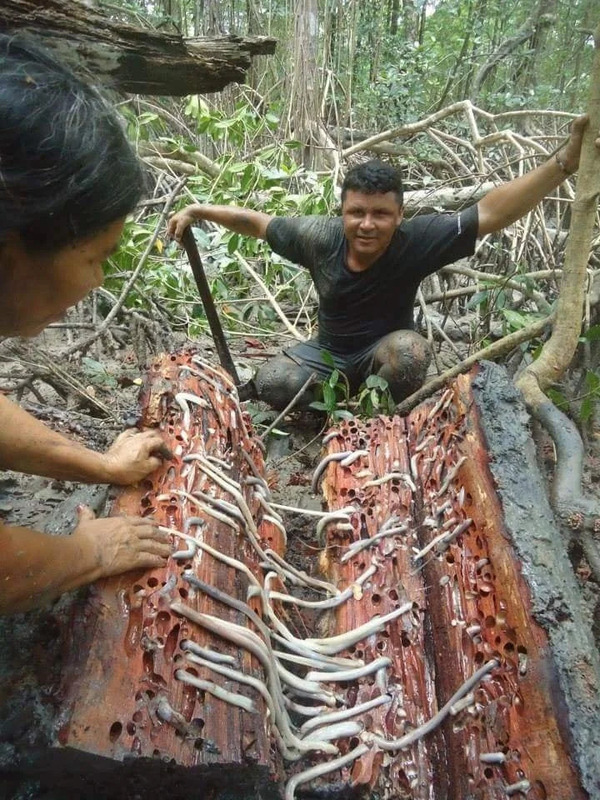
x=376 y=382
x=587 y=408
x=592 y=334
x=318 y=405
x=478 y=299
x=558 y=398
x=342 y=413
x=515 y=319
x=327 y=358
x=334 y=378
x=329 y=396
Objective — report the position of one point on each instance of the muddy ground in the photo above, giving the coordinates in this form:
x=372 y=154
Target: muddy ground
x=33 y=644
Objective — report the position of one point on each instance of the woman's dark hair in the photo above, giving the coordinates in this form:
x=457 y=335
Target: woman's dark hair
x=374 y=177
x=66 y=167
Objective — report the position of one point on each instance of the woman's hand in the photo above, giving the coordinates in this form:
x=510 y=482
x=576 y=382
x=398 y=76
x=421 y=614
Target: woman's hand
x=120 y=544
x=133 y=455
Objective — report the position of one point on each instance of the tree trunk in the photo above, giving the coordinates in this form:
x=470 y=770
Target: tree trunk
x=131 y=59
x=557 y=353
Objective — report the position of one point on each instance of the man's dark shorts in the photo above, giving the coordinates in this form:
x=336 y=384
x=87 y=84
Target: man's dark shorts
x=355 y=366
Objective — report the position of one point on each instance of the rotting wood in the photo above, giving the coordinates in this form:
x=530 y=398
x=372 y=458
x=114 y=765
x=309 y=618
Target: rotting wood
x=430 y=676
x=454 y=559
x=122 y=696
x=133 y=59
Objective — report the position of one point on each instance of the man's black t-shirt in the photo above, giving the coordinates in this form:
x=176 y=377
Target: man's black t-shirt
x=357 y=308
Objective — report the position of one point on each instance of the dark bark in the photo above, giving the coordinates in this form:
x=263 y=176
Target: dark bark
x=132 y=59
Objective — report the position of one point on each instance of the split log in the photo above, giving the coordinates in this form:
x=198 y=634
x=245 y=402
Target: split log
x=132 y=59
x=492 y=584
x=129 y=690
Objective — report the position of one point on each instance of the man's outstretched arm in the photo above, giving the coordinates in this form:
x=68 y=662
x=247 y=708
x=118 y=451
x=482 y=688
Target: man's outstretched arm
x=512 y=200
x=240 y=220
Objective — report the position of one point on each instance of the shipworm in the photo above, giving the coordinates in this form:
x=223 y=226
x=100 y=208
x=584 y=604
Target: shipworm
x=444 y=538
x=183 y=399
x=460 y=705
x=217 y=691
x=207 y=509
x=442 y=403
x=350 y=674
x=306 y=661
x=340 y=515
x=450 y=477
x=345 y=713
x=341 y=730
x=516 y=788
x=260 y=687
x=323 y=465
x=401 y=476
x=354 y=456
x=330 y=436
x=418 y=733
x=309 y=512
x=246 y=639
x=250 y=641
x=492 y=758
x=335 y=644
x=219 y=462
x=305 y=711
x=323 y=769
x=363 y=544
x=331 y=602
x=221 y=376
x=255 y=471
x=306 y=579
x=209 y=655
x=274 y=521
x=235 y=490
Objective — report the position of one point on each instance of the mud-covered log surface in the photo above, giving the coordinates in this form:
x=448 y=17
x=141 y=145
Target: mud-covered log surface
x=442 y=653
x=133 y=59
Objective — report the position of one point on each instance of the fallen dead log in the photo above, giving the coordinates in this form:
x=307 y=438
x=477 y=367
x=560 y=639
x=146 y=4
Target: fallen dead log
x=133 y=59
x=493 y=587
x=132 y=687
x=450 y=660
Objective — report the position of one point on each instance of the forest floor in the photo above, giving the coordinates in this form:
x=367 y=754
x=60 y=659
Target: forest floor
x=33 y=643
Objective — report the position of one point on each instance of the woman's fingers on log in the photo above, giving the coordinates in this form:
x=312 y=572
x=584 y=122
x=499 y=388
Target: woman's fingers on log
x=120 y=544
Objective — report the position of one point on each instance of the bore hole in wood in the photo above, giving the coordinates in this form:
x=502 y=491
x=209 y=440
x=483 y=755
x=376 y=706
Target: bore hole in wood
x=375 y=599
x=198 y=722
x=115 y=731
x=152 y=582
x=130 y=728
x=137 y=716
x=489 y=773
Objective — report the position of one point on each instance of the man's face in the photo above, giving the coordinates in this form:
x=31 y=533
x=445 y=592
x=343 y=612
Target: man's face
x=38 y=288
x=369 y=223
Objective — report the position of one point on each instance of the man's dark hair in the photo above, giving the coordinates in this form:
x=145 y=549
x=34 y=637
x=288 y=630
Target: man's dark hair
x=66 y=167
x=374 y=177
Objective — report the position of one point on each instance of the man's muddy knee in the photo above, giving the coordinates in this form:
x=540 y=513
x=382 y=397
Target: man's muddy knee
x=279 y=381
x=402 y=358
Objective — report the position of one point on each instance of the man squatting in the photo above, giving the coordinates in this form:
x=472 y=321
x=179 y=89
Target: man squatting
x=367 y=266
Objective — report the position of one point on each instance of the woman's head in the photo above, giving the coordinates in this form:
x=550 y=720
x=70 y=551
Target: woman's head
x=68 y=178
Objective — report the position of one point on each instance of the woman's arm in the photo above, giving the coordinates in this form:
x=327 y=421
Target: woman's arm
x=36 y=568
x=27 y=445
